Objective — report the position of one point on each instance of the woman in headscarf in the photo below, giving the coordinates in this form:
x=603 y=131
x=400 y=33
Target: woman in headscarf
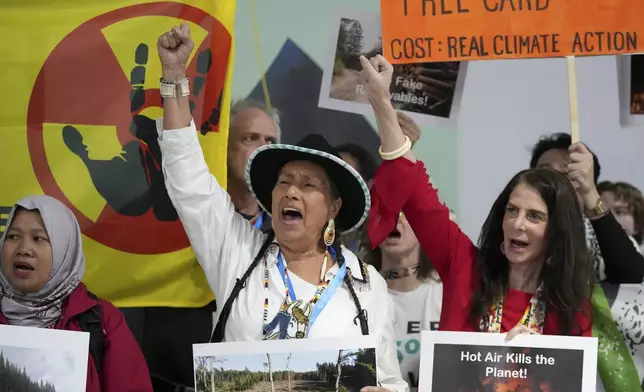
x=296 y=281
x=40 y=286
x=531 y=272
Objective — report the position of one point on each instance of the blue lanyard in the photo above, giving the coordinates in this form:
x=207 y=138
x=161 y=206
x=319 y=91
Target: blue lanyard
x=259 y=221
x=324 y=298
x=287 y=281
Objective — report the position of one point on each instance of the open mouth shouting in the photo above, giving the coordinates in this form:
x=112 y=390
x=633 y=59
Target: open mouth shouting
x=23 y=269
x=291 y=215
x=394 y=237
x=517 y=246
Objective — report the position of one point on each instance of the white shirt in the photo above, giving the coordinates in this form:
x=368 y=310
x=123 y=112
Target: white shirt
x=225 y=245
x=416 y=310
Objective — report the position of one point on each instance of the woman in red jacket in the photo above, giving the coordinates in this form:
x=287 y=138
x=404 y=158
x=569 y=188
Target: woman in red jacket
x=40 y=286
x=531 y=272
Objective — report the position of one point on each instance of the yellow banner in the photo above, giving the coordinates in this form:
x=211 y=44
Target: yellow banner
x=79 y=98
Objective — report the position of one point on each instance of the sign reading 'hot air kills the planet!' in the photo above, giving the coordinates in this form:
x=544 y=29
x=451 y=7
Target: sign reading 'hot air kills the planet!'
x=417 y=31
x=475 y=361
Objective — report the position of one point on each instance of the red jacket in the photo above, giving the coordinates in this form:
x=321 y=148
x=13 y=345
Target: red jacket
x=124 y=367
x=401 y=185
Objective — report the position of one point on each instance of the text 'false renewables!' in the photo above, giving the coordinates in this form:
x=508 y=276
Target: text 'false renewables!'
x=459 y=30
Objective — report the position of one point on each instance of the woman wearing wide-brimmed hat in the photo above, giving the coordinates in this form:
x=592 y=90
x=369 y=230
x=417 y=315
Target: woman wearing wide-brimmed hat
x=296 y=281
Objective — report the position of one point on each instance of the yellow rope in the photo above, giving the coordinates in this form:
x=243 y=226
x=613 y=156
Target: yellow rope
x=258 y=50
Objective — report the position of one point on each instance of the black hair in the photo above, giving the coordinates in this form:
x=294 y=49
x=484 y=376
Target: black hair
x=567 y=275
x=367 y=164
x=362 y=313
x=219 y=331
x=559 y=141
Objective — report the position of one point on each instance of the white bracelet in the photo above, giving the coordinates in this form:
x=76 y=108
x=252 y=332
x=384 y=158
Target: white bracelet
x=183 y=86
x=168 y=90
x=401 y=151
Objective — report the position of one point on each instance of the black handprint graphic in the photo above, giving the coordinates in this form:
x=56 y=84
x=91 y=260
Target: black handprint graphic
x=132 y=183
x=204 y=61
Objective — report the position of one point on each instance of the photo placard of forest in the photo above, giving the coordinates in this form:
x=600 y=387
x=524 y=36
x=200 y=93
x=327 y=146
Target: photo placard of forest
x=35 y=370
x=42 y=359
x=342 y=370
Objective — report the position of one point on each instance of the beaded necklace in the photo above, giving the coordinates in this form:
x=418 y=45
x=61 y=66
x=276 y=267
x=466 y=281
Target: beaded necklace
x=289 y=296
x=533 y=316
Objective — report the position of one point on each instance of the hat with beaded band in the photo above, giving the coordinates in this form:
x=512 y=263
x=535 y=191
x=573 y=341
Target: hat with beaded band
x=264 y=165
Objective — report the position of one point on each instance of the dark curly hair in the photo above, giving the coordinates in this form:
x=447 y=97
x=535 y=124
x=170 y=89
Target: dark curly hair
x=567 y=276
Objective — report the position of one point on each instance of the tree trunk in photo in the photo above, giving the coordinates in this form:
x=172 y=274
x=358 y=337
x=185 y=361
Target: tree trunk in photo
x=339 y=371
x=270 y=372
x=212 y=375
x=288 y=370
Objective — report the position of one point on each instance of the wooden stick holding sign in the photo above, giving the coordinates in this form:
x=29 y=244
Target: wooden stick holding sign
x=572 y=98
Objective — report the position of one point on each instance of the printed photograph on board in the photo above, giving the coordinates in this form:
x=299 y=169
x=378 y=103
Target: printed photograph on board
x=42 y=360
x=287 y=365
x=425 y=89
x=30 y=369
x=637 y=84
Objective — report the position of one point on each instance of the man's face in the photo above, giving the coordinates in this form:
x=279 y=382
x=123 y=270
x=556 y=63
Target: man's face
x=249 y=129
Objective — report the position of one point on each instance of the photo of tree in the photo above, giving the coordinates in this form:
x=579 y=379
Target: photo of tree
x=346 y=370
x=34 y=370
x=424 y=88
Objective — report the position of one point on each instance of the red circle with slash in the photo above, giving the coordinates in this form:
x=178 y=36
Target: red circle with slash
x=82 y=82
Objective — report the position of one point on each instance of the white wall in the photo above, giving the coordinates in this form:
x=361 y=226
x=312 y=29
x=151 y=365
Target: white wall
x=508 y=104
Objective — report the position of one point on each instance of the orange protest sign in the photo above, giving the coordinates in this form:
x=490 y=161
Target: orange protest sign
x=415 y=31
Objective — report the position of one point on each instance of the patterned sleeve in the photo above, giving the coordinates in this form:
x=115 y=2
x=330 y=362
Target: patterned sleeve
x=595 y=253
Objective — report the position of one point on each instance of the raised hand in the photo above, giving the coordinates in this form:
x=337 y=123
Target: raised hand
x=376 y=76
x=175 y=47
x=581 y=172
x=581 y=169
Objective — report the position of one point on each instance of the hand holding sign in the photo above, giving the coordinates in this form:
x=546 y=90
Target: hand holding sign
x=519 y=329
x=175 y=47
x=581 y=171
x=376 y=74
